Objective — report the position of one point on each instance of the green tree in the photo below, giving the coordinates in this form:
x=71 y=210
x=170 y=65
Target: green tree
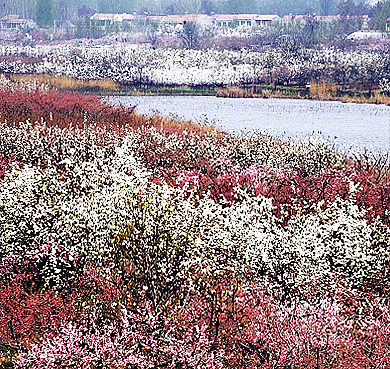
x=349 y=7
x=24 y=8
x=381 y=15
x=283 y=7
x=209 y=7
x=325 y=6
x=241 y=6
x=189 y=35
x=44 y=12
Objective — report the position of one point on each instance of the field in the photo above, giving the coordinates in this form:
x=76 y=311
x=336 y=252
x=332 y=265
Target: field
x=135 y=242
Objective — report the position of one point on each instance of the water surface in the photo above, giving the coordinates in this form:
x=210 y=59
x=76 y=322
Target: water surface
x=359 y=125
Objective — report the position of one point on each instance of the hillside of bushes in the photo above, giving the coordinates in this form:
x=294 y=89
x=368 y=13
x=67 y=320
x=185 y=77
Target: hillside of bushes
x=146 y=242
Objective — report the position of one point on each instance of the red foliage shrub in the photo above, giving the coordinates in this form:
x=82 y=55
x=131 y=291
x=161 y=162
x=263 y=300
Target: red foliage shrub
x=283 y=186
x=6 y=165
x=373 y=196
x=27 y=311
x=225 y=321
x=255 y=329
x=61 y=109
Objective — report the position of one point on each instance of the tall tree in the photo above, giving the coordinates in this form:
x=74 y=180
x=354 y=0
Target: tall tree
x=190 y=35
x=325 y=6
x=349 y=7
x=24 y=8
x=241 y=6
x=283 y=7
x=346 y=7
x=381 y=15
x=108 y=6
x=44 y=13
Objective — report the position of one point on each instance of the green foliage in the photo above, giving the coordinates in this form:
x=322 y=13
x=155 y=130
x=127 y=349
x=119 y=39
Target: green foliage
x=241 y=6
x=44 y=12
x=326 y=6
x=6 y=364
x=283 y=7
x=382 y=13
x=154 y=251
x=348 y=7
x=7 y=348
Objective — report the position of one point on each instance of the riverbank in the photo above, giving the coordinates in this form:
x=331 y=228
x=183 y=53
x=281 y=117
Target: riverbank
x=322 y=91
x=277 y=92
x=269 y=91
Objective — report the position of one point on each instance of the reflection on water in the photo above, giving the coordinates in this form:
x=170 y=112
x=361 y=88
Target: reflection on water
x=354 y=124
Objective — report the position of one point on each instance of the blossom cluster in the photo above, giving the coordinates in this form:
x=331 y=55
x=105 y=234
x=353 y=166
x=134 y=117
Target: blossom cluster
x=208 y=67
x=384 y=85
x=143 y=242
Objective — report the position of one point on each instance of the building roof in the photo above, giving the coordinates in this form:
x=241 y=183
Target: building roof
x=183 y=18
x=267 y=17
x=327 y=18
x=296 y=17
x=180 y=19
x=233 y=17
x=103 y=16
x=156 y=18
x=116 y=17
x=126 y=16
x=13 y=18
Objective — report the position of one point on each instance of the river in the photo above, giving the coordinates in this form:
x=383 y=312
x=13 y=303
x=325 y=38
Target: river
x=351 y=125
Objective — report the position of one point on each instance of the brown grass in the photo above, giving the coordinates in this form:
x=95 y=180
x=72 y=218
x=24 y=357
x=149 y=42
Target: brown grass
x=63 y=82
x=235 y=91
x=378 y=98
x=323 y=90
x=328 y=91
x=174 y=125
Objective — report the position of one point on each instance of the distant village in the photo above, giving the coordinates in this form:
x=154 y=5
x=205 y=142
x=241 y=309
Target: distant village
x=14 y=27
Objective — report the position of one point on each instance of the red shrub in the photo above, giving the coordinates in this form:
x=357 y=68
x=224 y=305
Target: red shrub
x=61 y=109
x=373 y=196
x=6 y=165
x=28 y=312
x=256 y=330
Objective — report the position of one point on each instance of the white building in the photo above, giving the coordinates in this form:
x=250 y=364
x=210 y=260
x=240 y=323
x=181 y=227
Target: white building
x=102 y=21
x=219 y=20
x=265 y=20
x=360 y=35
x=14 y=22
x=245 y=20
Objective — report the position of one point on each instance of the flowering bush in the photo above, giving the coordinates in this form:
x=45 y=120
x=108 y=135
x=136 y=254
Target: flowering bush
x=207 y=67
x=384 y=85
x=146 y=242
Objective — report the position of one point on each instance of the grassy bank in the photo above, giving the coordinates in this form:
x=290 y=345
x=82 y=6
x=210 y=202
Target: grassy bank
x=315 y=90
x=164 y=91
x=264 y=91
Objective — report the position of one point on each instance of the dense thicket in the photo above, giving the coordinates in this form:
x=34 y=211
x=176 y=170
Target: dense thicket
x=137 y=242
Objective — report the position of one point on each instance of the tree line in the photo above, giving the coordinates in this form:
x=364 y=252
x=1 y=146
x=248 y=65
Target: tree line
x=44 y=12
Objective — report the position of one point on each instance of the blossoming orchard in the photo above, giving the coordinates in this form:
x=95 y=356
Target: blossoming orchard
x=209 y=67
x=136 y=242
